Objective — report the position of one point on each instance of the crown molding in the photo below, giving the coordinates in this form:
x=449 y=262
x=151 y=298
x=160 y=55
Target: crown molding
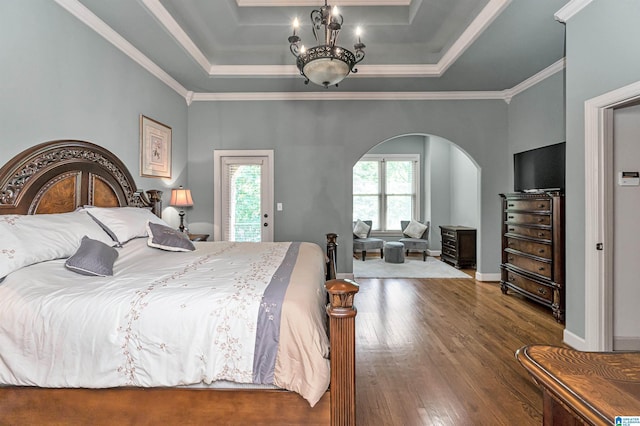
x=346 y=96
x=492 y=10
x=570 y=9
x=535 y=79
x=488 y=14
x=165 y=18
x=78 y=10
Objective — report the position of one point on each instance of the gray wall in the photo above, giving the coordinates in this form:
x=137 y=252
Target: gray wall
x=316 y=145
x=537 y=117
x=463 y=175
x=60 y=80
x=603 y=54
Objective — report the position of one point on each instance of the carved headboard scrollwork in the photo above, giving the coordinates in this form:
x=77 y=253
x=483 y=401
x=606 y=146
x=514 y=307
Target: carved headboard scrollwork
x=59 y=176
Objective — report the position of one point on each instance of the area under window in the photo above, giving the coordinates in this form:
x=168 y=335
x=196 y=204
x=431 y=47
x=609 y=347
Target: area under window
x=385 y=190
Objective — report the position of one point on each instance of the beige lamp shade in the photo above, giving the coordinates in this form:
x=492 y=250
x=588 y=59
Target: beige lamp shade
x=181 y=198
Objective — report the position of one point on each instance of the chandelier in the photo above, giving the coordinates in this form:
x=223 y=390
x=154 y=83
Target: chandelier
x=327 y=63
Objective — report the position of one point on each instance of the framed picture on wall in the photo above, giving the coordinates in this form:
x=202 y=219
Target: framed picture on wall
x=155 y=148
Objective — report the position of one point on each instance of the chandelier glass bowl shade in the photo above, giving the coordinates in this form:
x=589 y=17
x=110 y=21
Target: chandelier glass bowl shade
x=326 y=64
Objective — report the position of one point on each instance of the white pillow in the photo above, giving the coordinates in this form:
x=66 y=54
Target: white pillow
x=124 y=223
x=29 y=239
x=361 y=229
x=415 y=229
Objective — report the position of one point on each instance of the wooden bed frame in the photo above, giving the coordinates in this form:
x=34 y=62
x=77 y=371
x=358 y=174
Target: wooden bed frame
x=59 y=176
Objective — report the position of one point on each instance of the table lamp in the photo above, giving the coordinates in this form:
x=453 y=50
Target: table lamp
x=181 y=198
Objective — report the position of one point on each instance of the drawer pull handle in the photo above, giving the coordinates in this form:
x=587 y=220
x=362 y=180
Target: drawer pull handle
x=512 y=278
x=510 y=258
x=541 y=206
x=540 y=234
x=541 y=251
x=511 y=205
x=542 y=291
x=512 y=229
x=510 y=217
x=541 y=268
x=540 y=220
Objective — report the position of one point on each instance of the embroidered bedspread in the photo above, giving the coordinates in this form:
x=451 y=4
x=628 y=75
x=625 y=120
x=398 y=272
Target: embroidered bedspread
x=241 y=312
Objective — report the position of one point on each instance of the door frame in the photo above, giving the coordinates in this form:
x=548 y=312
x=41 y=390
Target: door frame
x=599 y=216
x=218 y=155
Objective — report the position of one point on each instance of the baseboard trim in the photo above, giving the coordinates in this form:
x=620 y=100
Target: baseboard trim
x=575 y=341
x=626 y=343
x=434 y=253
x=495 y=276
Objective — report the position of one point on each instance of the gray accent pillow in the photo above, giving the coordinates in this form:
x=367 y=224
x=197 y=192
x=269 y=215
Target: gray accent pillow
x=166 y=238
x=92 y=258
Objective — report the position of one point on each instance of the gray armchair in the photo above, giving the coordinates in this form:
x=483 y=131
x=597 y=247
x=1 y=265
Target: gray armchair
x=364 y=244
x=421 y=244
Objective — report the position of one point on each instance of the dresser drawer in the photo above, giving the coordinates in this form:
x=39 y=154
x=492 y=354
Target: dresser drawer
x=528 y=264
x=448 y=234
x=530 y=286
x=533 y=219
x=543 y=234
x=529 y=205
x=448 y=251
x=530 y=247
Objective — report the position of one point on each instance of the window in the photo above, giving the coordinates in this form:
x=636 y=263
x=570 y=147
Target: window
x=385 y=190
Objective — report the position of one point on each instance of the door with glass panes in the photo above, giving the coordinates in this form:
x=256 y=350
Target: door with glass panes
x=243 y=199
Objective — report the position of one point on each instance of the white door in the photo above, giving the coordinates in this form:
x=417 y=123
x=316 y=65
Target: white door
x=243 y=198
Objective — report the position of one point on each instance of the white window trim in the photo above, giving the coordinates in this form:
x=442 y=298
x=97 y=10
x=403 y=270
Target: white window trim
x=417 y=185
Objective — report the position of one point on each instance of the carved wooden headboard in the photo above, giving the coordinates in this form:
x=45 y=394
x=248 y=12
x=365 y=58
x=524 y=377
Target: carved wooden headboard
x=59 y=176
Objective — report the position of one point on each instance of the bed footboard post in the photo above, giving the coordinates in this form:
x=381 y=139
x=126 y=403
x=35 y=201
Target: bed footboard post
x=332 y=253
x=342 y=327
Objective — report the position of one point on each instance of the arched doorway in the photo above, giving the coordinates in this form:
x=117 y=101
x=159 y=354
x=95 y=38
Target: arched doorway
x=449 y=184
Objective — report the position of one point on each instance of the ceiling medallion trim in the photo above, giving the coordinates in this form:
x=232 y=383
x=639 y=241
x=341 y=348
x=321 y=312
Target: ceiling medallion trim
x=312 y=3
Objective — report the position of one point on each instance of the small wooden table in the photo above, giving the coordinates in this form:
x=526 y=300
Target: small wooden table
x=198 y=237
x=584 y=387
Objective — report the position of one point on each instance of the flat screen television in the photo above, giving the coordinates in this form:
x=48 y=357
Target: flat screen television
x=539 y=169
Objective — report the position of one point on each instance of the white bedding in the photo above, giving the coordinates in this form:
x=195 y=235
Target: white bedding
x=163 y=319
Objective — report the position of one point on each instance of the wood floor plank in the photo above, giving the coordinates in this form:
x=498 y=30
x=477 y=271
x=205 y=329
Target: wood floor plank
x=441 y=352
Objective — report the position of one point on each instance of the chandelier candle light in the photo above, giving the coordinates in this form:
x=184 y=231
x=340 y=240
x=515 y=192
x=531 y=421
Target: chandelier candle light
x=327 y=63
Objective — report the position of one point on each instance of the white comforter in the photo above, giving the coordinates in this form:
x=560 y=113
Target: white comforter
x=163 y=319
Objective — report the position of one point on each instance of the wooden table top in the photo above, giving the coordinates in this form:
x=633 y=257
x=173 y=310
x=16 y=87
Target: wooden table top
x=597 y=386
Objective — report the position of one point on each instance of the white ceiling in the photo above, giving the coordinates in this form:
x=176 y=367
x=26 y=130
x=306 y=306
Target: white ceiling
x=210 y=47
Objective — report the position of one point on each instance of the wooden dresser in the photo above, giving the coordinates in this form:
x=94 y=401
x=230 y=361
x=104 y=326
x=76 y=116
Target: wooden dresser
x=584 y=388
x=533 y=248
x=458 y=245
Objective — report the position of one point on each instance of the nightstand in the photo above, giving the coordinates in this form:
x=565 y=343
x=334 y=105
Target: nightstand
x=198 y=237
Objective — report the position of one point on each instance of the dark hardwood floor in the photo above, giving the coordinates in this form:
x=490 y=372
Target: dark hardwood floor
x=441 y=352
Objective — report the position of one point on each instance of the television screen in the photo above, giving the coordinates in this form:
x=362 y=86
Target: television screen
x=539 y=169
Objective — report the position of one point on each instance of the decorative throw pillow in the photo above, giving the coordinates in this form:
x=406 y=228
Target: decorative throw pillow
x=166 y=238
x=361 y=229
x=415 y=229
x=124 y=223
x=29 y=239
x=92 y=258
